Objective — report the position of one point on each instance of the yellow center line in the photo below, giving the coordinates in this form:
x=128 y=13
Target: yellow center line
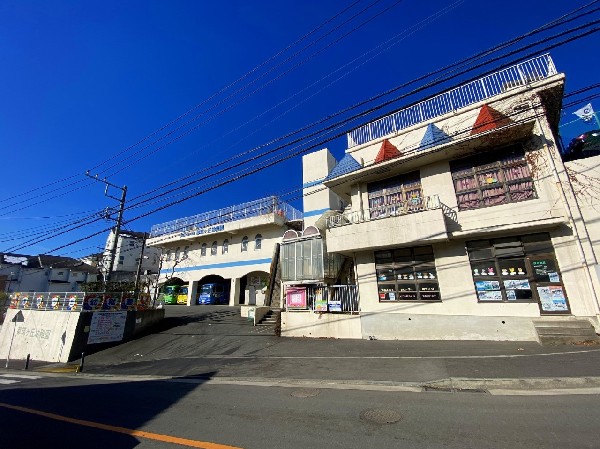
x=132 y=432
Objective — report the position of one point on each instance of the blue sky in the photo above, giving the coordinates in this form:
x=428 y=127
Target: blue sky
x=82 y=83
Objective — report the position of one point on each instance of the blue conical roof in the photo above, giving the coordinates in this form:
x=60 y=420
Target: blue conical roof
x=433 y=136
x=347 y=165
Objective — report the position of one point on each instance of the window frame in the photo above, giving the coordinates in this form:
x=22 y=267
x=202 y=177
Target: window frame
x=492 y=179
x=213 y=248
x=203 y=250
x=409 y=273
x=244 y=246
x=258 y=242
x=225 y=247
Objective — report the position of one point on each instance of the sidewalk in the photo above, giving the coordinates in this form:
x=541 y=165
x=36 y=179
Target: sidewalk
x=200 y=347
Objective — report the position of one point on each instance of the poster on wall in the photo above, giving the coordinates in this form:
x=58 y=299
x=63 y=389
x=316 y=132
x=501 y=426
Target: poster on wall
x=296 y=298
x=492 y=295
x=107 y=326
x=553 y=299
x=482 y=286
x=517 y=284
x=320 y=301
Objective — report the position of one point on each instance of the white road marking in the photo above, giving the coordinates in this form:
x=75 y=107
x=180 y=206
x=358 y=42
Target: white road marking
x=8 y=381
x=20 y=376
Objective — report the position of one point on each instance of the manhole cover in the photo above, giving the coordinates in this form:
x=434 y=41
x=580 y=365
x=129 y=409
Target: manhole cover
x=380 y=416
x=305 y=393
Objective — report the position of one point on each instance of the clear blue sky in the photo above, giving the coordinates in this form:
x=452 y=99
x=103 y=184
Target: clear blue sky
x=81 y=82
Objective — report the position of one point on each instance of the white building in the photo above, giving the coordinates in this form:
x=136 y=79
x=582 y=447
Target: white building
x=43 y=273
x=129 y=251
x=234 y=246
x=463 y=222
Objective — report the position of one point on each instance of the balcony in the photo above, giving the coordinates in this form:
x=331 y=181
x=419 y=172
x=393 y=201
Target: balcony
x=494 y=84
x=417 y=221
x=270 y=210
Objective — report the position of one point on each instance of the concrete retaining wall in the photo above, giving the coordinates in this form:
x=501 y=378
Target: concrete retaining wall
x=320 y=325
x=63 y=336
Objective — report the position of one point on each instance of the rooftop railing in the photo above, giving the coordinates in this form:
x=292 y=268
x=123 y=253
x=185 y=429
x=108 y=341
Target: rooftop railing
x=213 y=221
x=496 y=83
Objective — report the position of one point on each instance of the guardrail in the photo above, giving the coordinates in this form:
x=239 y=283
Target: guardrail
x=78 y=301
x=213 y=221
x=473 y=92
x=390 y=210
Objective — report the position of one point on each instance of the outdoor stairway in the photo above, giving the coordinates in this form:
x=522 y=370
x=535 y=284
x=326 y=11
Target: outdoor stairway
x=271 y=318
x=556 y=331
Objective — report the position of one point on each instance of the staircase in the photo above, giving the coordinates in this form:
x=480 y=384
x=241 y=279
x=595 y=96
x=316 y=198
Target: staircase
x=272 y=319
x=563 y=331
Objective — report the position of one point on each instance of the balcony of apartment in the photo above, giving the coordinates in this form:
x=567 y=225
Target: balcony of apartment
x=418 y=221
x=229 y=220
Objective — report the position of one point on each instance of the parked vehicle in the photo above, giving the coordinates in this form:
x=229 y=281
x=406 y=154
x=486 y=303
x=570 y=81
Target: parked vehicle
x=175 y=294
x=213 y=293
x=182 y=295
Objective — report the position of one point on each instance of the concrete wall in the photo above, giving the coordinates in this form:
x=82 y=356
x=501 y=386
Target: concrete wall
x=62 y=336
x=320 y=325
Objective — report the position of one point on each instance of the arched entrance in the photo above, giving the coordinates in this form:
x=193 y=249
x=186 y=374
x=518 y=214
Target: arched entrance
x=213 y=289
x=253 y=287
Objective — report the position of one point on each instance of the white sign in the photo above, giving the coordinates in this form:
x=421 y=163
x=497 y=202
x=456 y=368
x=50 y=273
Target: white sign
x=107 y=326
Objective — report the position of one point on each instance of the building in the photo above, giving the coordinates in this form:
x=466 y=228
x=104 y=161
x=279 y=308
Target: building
x=131 y=250
x=460 y=217
x=234 y=247
x=43 y=273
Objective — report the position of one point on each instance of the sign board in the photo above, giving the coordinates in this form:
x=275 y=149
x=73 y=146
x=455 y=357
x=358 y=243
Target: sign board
x=107 y=327
x=296 y=298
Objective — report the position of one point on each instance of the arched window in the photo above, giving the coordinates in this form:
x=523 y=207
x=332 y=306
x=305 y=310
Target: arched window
x=203 y=250
x=225 y=246
x=257 y=241
x=245 y=244
x=213 y=249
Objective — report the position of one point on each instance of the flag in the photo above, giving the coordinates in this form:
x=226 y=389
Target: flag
x=586 y=113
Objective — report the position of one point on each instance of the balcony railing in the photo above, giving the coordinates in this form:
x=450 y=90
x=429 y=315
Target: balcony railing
x=213 y=221
x=389 y=210
x=473 y=92
x=78 y=301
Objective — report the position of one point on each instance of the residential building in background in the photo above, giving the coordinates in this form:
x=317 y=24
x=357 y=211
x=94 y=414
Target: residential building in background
x=43 y=273
x=130 y=251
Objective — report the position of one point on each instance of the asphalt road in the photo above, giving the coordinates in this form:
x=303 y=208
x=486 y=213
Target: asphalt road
x=189 y=412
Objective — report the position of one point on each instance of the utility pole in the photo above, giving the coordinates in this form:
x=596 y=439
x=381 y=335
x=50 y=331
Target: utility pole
x=113 y=247
x=139 y=267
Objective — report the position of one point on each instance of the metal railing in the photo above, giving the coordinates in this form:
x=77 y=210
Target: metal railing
x=473 y=92
x=213 y=221
x=78 y=301
x=332 y=298
x=390 y=210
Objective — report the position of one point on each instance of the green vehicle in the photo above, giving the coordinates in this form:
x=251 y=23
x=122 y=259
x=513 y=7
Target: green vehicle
x=170 y=294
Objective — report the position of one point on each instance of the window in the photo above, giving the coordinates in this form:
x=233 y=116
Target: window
x=257 y=241
x=518 y=269
x=245 y=244
x=131 y=243
x=492 y=179
x=395 y=195
x=407 y=274
x=177 y=252
x=203 y=250
x=121 y=260
x=168 y=255
x=225 y=248
x=185 y=252
x=213 y=249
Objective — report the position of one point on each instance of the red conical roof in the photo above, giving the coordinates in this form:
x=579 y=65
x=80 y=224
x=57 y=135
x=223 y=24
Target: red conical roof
x=387 y=152
x=489 y=119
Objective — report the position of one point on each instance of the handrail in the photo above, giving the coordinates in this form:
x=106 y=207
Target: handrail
x=491 y=85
